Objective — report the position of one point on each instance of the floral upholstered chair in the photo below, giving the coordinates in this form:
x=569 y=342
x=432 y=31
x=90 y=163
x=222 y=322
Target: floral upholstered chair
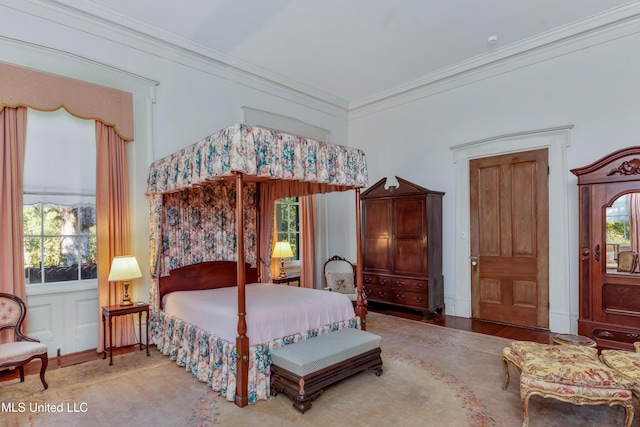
x=18 y=353
x=569 y=373
x=339 y=274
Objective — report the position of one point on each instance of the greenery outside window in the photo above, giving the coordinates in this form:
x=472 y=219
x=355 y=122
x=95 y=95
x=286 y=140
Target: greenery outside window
x=288 y=222
x=59 y=243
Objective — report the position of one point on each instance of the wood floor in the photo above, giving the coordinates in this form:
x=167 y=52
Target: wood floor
x=480 y=326
x=489 y=328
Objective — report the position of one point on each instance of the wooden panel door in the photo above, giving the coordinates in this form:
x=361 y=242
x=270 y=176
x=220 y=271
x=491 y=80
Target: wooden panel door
x=510 y=238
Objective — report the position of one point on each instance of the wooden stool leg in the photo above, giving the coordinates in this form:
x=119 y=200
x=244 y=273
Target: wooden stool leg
x=630 y=411
x=524 y=397
x=505 y=366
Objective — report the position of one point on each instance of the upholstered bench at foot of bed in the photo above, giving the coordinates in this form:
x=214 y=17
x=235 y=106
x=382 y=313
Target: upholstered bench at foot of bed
x=568 y=373
x=302 y=370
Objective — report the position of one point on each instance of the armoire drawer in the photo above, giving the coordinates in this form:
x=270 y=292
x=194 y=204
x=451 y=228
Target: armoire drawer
x=382 y=281
x=378 y=293
x=411 y=285
x=410 y=299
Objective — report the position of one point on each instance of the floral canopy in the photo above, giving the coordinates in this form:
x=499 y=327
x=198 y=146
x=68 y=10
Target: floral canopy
x=181 y=186
x=261 y=153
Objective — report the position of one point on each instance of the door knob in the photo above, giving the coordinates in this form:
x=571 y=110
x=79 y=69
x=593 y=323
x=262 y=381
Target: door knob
x=474 y=262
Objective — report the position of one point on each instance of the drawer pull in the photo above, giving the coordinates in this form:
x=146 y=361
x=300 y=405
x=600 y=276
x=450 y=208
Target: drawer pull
x=400 y=284
x=382 y=294
x=367 y=280
x=417 y=299
x=418 y=285
x=382 y=281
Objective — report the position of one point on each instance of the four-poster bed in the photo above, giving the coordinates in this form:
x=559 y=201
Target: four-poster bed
x=197 y=245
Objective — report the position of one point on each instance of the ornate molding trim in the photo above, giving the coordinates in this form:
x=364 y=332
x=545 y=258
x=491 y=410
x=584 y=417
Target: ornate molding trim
x=630 y=167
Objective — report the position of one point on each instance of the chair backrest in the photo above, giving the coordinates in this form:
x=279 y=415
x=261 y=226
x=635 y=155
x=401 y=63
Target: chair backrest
x=12 y=312
x=627 y=261
x=339 y=274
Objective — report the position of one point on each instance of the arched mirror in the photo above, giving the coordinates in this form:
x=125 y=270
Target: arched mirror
x=622 y=231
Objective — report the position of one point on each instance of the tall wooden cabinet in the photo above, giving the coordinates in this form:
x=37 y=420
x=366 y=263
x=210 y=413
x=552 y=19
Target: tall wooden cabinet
x=402 y=254
x=609 y=224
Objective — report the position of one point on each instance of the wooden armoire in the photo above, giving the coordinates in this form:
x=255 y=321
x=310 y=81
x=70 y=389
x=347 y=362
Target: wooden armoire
x=609 y=229
x=402 y=239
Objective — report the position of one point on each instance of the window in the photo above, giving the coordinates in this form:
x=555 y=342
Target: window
x=59 y=243
x=288 y=222
x=59 y=211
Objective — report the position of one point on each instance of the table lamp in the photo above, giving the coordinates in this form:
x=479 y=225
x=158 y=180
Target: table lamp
x=123 y=269
x=282 y=250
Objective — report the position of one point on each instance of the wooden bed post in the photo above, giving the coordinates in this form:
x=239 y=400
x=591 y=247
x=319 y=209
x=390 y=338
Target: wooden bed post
x=242 y=341
x=361 y=310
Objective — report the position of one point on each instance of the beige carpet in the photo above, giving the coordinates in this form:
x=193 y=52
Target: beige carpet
x=433 y=376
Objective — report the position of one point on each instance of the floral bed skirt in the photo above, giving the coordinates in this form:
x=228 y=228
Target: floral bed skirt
x=213 y=360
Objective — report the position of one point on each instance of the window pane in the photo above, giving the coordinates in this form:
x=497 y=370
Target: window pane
x=293 y=219
x=52 y=220
x=32 y=269
x=61 y=259
x=88 y=220
x=32 y=219
x=88 y=250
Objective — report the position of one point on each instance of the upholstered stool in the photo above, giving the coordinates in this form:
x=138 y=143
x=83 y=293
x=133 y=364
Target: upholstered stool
x=625 y=363
x=568 y=373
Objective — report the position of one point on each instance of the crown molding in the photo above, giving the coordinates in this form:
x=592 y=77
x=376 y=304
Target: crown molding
x=106 y=23
x=21 y=53
x=608 y=26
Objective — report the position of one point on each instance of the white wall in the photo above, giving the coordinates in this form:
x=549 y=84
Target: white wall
x=592 y=87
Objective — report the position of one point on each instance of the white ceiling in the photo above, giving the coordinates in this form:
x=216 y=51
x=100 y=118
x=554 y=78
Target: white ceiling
x=348 y=51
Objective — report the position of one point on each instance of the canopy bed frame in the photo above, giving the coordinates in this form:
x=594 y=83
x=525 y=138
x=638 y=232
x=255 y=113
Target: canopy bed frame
x=243 y=160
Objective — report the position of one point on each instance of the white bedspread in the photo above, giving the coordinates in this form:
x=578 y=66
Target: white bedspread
x=273 y=311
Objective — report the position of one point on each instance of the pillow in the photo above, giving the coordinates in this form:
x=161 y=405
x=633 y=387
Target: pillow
x=341 y=282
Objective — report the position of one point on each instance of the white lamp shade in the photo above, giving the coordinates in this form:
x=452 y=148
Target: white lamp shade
x=124 y=268
x=282 y=250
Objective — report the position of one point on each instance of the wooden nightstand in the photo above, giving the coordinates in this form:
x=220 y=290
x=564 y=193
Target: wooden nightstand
x=287 y=279
x=118 y=310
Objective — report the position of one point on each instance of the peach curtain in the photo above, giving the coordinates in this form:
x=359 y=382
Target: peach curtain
x=112 y=211
x=13 y=123
x=307 y=241
x=267 y=230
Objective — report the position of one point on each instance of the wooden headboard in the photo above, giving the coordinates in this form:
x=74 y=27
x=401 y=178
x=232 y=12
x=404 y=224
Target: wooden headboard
x=205 y=275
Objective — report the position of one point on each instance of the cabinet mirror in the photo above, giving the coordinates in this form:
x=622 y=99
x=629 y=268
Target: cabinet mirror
x=622 y=234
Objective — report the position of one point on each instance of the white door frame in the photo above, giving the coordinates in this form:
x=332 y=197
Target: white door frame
x=562 y=292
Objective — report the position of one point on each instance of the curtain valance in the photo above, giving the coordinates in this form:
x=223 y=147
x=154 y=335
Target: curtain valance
x=263 y=153
x=48 y=92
